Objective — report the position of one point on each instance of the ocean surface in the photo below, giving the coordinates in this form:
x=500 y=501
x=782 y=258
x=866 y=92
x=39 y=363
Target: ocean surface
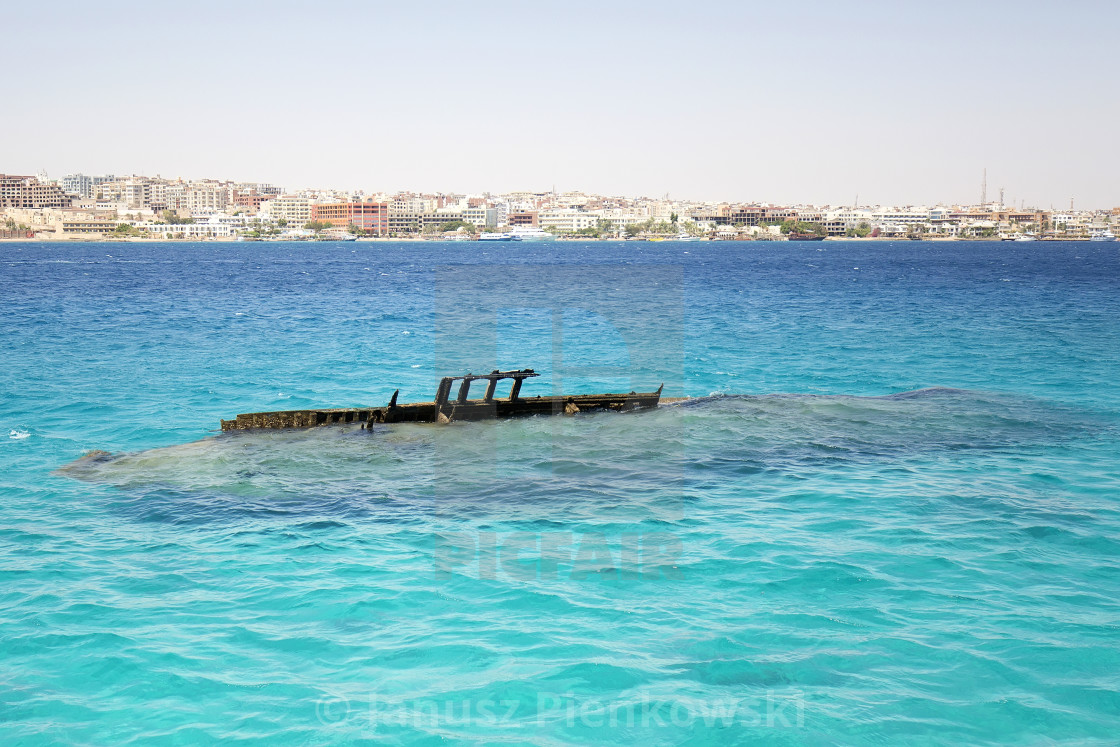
x=888 y=513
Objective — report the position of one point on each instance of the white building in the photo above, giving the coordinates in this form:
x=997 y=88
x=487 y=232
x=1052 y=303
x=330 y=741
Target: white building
x=294 y=209
x=212 y=228
x=620 y=219
x=480 y=216
x=567 y=221
x=82 y=185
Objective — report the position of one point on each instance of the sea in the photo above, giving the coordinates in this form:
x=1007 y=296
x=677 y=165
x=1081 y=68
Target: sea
x=887 y=510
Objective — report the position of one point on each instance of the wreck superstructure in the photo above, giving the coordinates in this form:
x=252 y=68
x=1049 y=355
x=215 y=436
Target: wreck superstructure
x=445 y=409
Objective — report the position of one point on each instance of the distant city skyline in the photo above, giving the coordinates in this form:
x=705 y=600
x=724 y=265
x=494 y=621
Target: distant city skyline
x=809 y=102
x=986 y=195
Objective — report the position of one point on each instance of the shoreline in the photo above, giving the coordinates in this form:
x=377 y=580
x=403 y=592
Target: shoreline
x=94 y=238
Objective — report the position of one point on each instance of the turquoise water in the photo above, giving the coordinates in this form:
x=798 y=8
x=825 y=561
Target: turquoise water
x=888 y=512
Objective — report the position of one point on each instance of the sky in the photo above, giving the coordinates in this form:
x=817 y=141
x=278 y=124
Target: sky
x=793 y=102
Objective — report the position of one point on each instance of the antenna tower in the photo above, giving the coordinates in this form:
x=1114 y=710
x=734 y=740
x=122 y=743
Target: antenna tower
x=984 y=190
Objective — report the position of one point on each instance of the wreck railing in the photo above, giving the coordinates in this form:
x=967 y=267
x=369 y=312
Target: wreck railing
x=443 y=393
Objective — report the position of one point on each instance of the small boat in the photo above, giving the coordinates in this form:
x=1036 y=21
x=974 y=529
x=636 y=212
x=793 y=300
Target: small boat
x=496 y=237
x=682 y=236
x=444 y=409
x=1105 y=236
x=1027 y=237
x=797 y=236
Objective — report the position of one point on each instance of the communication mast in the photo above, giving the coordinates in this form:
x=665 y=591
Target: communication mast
x=984 y=190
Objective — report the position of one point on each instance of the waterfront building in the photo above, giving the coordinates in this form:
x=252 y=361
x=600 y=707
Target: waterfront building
x=88 y=227
x=28 y=193
x=249 y=198
x=566 y=220
x=405 y=221
x=212 y=228
x=206 y=197
x=524 y=218
x=907 y=216
x=372 y=217
x=619 y=219
x=295 y=210
x=776 y=214
x=729 y=215
x=482 y=217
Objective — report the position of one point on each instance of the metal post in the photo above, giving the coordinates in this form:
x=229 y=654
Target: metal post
x=444 y=390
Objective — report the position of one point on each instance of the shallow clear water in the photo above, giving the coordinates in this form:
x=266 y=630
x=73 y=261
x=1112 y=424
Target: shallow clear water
x=888 y=513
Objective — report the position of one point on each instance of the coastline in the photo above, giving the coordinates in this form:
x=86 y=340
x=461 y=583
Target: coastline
x=97 y=238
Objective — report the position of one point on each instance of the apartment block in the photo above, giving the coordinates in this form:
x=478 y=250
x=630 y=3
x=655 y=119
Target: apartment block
x=294 y=209
x=567 y=221
x=84 y=186
x=368 y=216
x=524 y=218
x=28 y=193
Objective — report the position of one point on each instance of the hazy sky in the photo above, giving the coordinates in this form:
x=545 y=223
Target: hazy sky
x=898 y=102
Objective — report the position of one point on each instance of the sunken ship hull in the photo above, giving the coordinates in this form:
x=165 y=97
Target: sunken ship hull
x=445 y=409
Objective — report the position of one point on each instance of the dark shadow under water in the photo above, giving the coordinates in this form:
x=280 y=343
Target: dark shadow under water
x=401 y=473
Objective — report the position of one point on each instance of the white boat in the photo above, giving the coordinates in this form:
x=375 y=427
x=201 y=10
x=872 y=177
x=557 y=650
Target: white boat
x=528 y=233
x=1027 y=237
x=496 y=237
x=682 y=236
x=1105 y=236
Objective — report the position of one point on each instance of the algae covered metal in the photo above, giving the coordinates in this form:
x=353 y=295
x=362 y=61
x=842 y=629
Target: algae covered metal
x=444 y=409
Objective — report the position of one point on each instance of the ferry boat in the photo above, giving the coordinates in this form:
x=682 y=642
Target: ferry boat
x=496 y=237
x=1105 y=236
x=528 y=233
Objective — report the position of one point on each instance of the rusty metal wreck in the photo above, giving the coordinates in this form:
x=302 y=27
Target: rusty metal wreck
x=444 y=409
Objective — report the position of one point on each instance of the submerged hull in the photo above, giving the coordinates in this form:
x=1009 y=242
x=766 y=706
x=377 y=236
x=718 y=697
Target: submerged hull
x=429 y=412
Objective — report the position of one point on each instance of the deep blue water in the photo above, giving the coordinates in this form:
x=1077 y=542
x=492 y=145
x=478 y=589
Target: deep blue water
x=889 y=513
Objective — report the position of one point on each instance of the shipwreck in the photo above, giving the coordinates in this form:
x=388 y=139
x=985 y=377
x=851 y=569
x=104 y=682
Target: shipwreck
x=445 y=409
